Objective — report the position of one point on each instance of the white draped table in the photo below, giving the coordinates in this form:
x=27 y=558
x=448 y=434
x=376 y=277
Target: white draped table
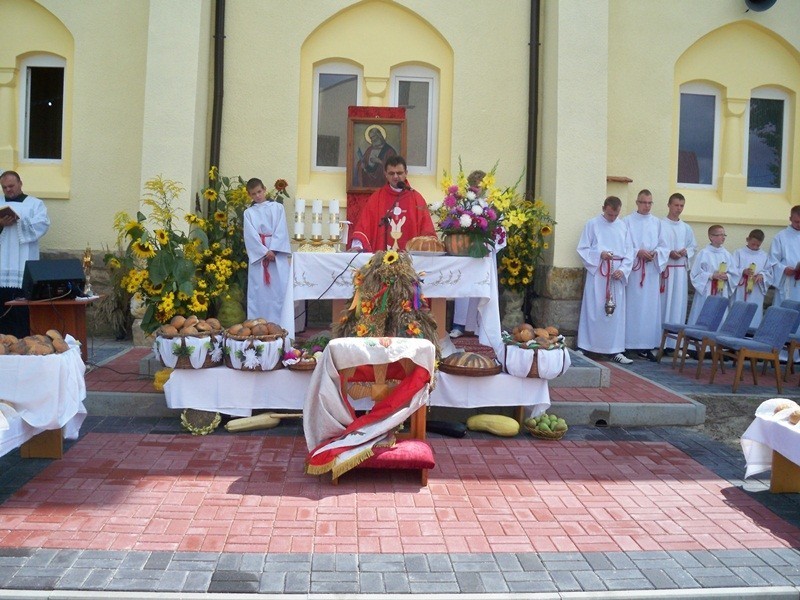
x=329 y=276
x=41 y=393
x=772 y=442
x=238 y=393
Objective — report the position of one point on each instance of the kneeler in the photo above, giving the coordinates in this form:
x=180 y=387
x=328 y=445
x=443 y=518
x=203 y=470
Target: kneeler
x=397 y=374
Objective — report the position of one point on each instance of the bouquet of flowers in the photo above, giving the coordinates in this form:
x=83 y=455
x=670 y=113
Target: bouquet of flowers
x=470 y=208
x=528 y=223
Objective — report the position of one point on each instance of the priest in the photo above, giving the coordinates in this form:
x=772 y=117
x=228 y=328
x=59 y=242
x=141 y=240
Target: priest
x=394 y=213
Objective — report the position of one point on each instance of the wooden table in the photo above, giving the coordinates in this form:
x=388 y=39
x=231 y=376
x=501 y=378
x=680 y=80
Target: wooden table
x=65 y=316
x=773 y=443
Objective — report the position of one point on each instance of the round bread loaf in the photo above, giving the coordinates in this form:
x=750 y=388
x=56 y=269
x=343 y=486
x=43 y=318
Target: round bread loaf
x=794 y=417
x=425 y=243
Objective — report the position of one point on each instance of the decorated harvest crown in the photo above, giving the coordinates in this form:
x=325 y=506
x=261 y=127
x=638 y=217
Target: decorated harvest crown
x=387 y=301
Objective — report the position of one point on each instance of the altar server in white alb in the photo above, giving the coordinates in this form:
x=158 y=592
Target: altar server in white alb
x=642 y=295
x=22 y=228
x=756 y=269
x=713 y=272
x=607 y=253
x=682 y=247
x=785 y=255
x=266 y=238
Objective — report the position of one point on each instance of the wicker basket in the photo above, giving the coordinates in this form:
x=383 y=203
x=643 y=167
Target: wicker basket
x=303 y=365
x=236 y=343
x=533 y=373
x=546 y=435
x=183 y=354
x=469 y=371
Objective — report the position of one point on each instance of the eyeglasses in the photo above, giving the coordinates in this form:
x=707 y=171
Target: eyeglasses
x=719 y=235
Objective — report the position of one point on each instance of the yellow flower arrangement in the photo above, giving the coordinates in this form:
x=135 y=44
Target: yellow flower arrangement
x=528 y=223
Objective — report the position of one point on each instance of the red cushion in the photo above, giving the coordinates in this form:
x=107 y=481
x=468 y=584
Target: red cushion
x=407 y=454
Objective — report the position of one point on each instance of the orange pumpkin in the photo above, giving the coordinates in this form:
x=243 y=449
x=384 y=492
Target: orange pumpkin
x=457 y=244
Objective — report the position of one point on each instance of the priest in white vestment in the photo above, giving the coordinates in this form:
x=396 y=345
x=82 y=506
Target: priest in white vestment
x=682 y=247
x=266 y=238
x=713 y=272
x=785 y=255
x=642 y=297
x=607 y=253
x=19 y=242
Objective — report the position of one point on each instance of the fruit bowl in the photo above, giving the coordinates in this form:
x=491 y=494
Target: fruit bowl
x=546 y=435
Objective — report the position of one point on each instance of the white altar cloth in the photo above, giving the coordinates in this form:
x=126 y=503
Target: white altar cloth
x=238 y=393
x=329 y=275
x=39 y=393
x=769 y=432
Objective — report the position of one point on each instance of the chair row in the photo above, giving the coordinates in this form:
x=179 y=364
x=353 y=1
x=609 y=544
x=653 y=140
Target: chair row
x=733 y=338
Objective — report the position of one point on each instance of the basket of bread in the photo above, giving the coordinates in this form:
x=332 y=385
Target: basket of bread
x=470 y=364
x=33 y=345
x=253 y=345
x=535 y=352
x=189 y=343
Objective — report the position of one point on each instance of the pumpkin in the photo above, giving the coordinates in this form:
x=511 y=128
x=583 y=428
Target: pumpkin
x=458 y=244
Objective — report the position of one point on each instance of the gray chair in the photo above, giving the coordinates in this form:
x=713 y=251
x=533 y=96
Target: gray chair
x=765 y=345
x=709 y=319
x=735 y=325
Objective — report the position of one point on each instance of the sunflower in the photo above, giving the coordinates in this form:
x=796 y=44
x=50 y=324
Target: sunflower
x=281 y=185
x=210 y=194
x=199 y=302
x=220 y=216
x=162 y=236
x=143 y=249
x=113 y=263
x=390 y=257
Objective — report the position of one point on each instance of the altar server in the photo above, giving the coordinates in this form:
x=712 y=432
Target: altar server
x=756 y=268
x=713 y=272
x=607 y=253
x=642 y=296
x=785 y=255
x=682 y=247
x=266 y=238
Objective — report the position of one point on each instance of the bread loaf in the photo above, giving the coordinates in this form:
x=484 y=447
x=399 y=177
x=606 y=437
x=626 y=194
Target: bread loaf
x=425 y=243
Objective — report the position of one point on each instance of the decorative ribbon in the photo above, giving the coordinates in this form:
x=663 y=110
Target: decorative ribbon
x=665 y=276
x=640 y=266
x=718 y=285
x=265 y=262
x=748 y=282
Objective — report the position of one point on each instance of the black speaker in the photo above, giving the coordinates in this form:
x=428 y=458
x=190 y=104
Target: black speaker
x=53 y=279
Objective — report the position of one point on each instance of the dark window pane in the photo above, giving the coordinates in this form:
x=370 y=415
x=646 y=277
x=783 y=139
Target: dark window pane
x=336 y=93
x=765 y=144
x=45 y=111
x=415 y=97
x=696 y=139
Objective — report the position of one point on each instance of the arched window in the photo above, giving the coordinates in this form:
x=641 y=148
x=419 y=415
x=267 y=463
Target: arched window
x=336 y=86
x=698 y=135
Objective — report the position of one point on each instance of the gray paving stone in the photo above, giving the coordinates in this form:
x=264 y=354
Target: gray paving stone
x=134 y=560
x=333 y=576
x=171 y=581
x=42 y=557
x=738 y=558
x=417 y=563
x=468 y=583
x=685 y=559
x=566 y=565
x=252 y=562
x=346 y=562
x=720 y=582
x=565 y=581
x=682 y=579
x=770 y=557
x=438 y=577
x=396 y=583
x=271 y=583
x=640 y=583
x=323 y=562
x=597 y=560
x=236 y=586
x=371 y=583
x=98 y=579
x=16 y=552
x=98 y=562
x=617 y=574
x=589 y=581
x=197 y=581
x=230 y=561
x=73 y=579
x=710 y=572
x=158 y=561
x=656 y=564
x=434 y=588
x=659 y=579
x=771 y=576
x=27 y=571
x=334 y=587
x=137 y=574
x=494 y=583
x=478 y=566
x=749 y=576
x=13 y=561
x=134 y=585
x=560 y=556
x=288 y=557
x=6 y=573
x=620 y=560
x=507 y=562
x=706 y=558
x=297 y=583
x=191 y=565
x=532 y=586
x=382 y=566
x=439 y=563
x=32 y=582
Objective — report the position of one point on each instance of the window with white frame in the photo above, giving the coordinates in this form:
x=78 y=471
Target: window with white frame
x=416 y=89
x=698 y=135
x=336 y=86
x=42 y=103
x=766 y=134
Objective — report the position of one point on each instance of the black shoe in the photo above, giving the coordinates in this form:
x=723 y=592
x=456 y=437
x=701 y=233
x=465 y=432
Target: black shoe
x=646 y=355
x=669 y=351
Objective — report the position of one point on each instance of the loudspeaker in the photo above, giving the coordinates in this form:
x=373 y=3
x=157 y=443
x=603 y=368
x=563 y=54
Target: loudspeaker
x=759 y=5
x=53 y=279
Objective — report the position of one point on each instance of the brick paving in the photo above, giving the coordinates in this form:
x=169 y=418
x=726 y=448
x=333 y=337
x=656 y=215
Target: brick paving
x=137 y=505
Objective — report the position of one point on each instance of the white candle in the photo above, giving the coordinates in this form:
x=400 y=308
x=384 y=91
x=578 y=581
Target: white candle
x=316 y=207
x=299 y=205
x=333 y=207
x=299 y=217
x=316 y=228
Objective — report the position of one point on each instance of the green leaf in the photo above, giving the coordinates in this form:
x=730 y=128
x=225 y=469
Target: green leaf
x=161 y=267
x=149 y=324
x=200 y=235
x=184 y=270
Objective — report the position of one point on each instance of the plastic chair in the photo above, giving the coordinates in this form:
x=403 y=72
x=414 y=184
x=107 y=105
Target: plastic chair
x=709 y=319
x=735 y=325
x=765 y=345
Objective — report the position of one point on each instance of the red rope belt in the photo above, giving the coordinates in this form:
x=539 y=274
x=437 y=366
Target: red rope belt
x=665 y=276
x=264 y=262
x=607 y=274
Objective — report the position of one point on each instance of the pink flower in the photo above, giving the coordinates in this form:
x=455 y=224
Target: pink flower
x=490 y=214
x=450 y=201
x=453 y=189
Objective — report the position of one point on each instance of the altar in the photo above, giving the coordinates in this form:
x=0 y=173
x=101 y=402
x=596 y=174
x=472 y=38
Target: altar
x=329 y=276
